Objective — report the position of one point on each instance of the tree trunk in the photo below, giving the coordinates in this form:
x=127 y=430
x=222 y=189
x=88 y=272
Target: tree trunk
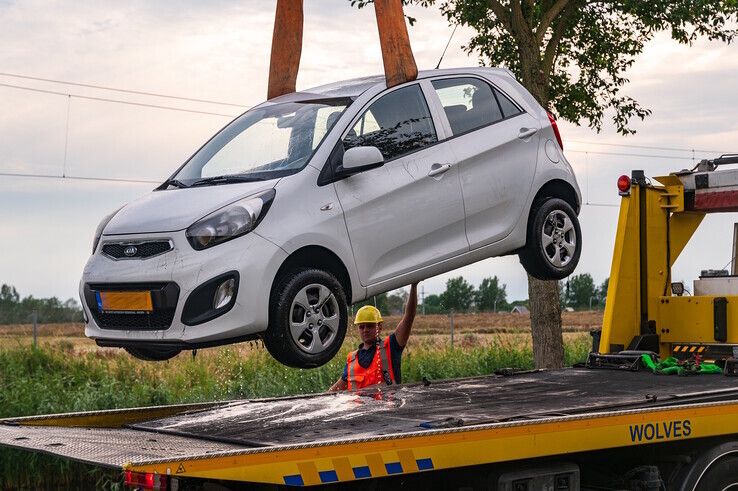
x=397 y=55
x=286 y=48
x=545 y=321
x=545 y=309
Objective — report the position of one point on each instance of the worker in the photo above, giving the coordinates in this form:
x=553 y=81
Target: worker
x=377 y=361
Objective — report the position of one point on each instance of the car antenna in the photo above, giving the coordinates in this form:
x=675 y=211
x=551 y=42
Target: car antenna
x=447 y=44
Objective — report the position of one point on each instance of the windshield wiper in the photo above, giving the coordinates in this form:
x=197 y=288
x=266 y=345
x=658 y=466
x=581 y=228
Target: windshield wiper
x=173 y=182
x=224 y=180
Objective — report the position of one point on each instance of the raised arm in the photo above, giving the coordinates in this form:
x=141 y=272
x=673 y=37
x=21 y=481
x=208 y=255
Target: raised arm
x=402 y=333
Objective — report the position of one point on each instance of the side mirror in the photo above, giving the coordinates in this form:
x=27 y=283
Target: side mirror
x=359 y=159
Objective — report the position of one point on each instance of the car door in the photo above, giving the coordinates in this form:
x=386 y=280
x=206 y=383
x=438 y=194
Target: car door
x=496 y=146
x=408 y=213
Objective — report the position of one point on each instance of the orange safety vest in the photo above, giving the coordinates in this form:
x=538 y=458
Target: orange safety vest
x=380 y=370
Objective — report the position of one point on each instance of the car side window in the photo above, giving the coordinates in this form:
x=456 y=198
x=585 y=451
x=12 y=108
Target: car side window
x=397 y=124
x=509 y=109
x=324 y=121
x=469 y=103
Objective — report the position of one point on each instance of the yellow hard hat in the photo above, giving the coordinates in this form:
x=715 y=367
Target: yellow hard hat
x=368 y=314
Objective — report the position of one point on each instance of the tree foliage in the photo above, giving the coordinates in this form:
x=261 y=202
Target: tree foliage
x=572 y=55
x=17 y=310
x=603 y=290
x=580 y=291
x=491 y=296
x=388 y=303
x=459 y=295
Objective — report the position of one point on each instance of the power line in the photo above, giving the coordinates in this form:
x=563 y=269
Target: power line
x=143 y=181
x=125 y=91
x=78 y=178
x=653 y=156
x=605 y=205
x=116 y=101
x=208 y=101
x=646 y=147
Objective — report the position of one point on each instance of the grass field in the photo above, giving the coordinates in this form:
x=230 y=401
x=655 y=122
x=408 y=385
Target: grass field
x=68 y=372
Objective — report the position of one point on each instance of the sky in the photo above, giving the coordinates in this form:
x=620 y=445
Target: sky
x=219 y=51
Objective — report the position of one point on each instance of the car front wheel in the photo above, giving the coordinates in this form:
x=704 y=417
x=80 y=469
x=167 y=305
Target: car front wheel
x=308 y=318
x=554 y=241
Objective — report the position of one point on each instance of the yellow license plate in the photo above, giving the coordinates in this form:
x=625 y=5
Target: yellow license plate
x=125 y=301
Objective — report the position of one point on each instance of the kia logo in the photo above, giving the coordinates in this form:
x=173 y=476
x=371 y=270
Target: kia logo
x=130 y=251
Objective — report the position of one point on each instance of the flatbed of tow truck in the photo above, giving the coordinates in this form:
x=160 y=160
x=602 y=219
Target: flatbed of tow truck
x=339 y=437
x=563 y=430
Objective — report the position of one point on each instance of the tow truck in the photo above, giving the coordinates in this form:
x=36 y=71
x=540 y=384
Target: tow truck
x=610 y=423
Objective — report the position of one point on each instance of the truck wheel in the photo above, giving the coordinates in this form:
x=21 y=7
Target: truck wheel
x=554 y=241
x=308 y=318
x=153 y=354
x=722 y=474
x=711 y=468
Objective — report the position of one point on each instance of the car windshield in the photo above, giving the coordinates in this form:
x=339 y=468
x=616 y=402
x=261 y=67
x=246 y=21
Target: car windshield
x=263 y=143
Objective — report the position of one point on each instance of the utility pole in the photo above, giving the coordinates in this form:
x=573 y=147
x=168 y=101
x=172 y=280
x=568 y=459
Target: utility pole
x=422 y=298
x=451 y=319
x=34 y=316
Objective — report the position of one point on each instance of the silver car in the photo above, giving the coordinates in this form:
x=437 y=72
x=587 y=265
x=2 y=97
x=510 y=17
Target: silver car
x=314 y=200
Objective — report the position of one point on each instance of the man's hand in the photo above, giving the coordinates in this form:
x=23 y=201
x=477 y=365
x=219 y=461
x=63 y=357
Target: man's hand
x=340 y=385
x=402 y=333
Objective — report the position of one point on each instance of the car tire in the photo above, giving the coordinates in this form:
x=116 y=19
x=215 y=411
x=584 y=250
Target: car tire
x=153 y=354
x=308 y=318
x=554 y=241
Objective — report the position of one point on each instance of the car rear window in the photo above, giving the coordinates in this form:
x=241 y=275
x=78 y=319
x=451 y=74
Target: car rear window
x=397 y=124
x=470 y=103
x=509 y=109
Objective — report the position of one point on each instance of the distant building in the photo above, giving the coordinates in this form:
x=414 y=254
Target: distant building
x=520 y=309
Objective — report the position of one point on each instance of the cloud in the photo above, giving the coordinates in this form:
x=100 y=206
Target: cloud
x=219 y=50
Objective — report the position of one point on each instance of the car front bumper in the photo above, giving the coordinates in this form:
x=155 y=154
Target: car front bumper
x=255 y=259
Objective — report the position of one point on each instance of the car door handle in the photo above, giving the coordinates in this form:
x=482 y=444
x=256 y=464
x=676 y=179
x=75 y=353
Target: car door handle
x=438 y=169
x=527 y=132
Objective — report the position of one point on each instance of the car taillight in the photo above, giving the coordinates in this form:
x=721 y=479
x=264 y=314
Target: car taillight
x=555 y=127
x=146 y=480
x=624 y=185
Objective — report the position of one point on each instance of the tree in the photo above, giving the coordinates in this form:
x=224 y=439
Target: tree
x=459 y=295
x=602 y=290
x=432 y=304
x=572 y=56
x=379 y=301
x=581 y=290
x=14 y=310
x=491 y=296
x=396 y=301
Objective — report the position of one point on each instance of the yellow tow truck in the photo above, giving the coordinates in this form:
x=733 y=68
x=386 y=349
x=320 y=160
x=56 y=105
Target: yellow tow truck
x=611 y=423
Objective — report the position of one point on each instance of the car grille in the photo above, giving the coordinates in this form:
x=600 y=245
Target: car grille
x=134 y=322
x=141 y=250
x=164 y=297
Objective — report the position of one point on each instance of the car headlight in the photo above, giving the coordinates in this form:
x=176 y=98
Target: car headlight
x=229 y=222
x=100 y=228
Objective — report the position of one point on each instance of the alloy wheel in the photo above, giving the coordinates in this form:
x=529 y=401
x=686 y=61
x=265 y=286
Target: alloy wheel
x=558 y=238
x=314 y=318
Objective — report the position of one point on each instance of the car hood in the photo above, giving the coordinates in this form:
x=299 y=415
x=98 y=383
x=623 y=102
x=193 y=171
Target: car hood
x=176 y=209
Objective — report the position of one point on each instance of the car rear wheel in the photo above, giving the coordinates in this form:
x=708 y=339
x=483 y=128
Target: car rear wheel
x=308 y=318
x=153 y=354
x=554 y=241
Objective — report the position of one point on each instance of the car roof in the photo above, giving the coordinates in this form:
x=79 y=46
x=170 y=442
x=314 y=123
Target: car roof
x=354 y=87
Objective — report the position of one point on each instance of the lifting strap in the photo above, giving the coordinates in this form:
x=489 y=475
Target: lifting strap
x=385 y=364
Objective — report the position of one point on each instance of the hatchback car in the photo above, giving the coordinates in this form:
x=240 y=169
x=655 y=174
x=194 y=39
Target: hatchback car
x=318 y=199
